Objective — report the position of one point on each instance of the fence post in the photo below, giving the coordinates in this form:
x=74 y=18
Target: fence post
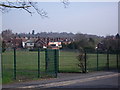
x=46 y=62
x=117 y=57
x=108 y=59
x=15 y=63
x=85 y=62
x=38 y=62
x=58 y=60
x=55 y=62
x=118 y=60
x=97 y=59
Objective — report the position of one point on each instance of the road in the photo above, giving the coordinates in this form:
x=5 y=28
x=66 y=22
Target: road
x=73 y=80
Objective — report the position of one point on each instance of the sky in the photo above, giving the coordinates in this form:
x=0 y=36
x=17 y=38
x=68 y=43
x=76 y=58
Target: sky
x=96 y=18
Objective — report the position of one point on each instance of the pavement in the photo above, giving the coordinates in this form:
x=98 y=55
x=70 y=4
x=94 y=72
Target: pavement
x=99 y=79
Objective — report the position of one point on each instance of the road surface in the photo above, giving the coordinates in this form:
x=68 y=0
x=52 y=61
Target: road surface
x=99 y=79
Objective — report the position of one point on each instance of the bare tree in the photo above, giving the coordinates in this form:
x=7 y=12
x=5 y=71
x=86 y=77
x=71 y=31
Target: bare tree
x=65 y=3
x=26 y=5
x=22 y=4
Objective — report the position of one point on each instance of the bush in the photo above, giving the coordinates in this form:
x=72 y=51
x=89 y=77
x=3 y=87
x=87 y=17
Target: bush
x=81 y=58
x=81 y=64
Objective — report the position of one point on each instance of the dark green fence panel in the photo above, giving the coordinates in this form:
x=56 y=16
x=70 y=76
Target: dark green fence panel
x=7 y=58
x=68 y=61
x=102 y=61
x=26 y=64
x=42 y=64
x=51 y=62
x=22 y=64
x=91 y=62
x=112 y=61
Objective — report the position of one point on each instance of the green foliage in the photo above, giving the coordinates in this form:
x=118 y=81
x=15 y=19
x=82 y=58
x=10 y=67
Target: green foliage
x=83 y=43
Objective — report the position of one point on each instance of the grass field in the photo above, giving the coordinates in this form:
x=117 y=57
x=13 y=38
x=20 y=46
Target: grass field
x=27 y=64
x=69 y=62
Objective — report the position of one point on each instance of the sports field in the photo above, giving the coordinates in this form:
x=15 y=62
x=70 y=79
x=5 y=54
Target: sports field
x=27 y=64
x=69 y=62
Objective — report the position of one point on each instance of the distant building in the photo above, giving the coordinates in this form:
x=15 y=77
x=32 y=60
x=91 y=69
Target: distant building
x=24 y=39
x=41 y=43
x=54 y=45
x=29 y=44
x=15 y=42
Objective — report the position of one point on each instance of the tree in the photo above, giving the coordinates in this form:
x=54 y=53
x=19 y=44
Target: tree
x=26 y=5
x=118 y=41
x=110 y=42
x=22 y=4
x=7 y=34
x=33 y=32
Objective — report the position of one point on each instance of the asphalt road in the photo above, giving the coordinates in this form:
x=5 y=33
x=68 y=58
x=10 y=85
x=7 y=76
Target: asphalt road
x=111 y=82
x=73 y=80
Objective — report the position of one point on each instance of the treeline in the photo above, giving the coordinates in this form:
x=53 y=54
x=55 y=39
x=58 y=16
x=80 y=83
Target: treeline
x=79 y=40
x=47 y=34
x=84 y=41
x=102 y=44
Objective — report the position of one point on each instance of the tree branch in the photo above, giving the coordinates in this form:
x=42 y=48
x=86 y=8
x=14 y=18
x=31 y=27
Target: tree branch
x=9 y=6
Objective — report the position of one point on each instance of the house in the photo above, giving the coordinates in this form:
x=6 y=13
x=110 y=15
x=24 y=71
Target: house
x=41 y=43
x=29 y=44
x=23 y=41
x=54 y=45
x=15 y=42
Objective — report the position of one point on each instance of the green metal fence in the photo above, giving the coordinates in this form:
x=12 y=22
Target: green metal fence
x=103 y=61
x=23 y=64
x=94 y=61
x=26 y=65
x=51 y=62
x=7 y=66
x=68 y=61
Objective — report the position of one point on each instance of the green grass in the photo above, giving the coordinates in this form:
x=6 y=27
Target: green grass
x=69 y=62
x=27 y=64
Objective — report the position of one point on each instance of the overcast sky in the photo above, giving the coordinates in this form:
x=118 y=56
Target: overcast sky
x=97 y=18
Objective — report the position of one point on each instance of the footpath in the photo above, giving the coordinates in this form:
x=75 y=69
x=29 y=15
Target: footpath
x=69 y=79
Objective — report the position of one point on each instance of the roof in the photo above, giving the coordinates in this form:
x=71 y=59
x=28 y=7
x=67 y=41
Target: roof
x=30 y=41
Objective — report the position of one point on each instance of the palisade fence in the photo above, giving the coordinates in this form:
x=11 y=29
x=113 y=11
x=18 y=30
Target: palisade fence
x=24 y=64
